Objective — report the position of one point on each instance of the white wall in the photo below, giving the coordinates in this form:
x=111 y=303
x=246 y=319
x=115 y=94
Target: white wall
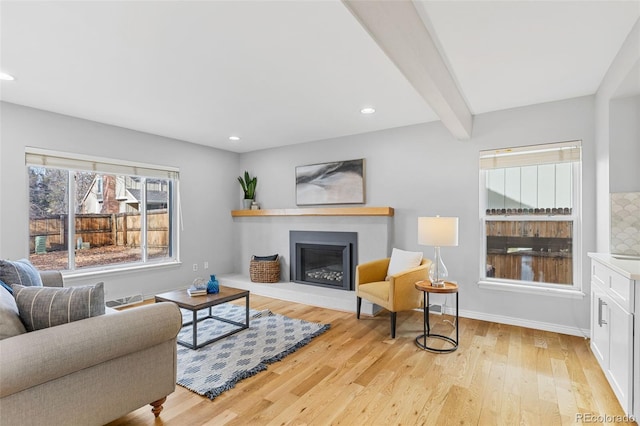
x=625 y=62
x=624 y=144
x=422 y=170
x=207 y=187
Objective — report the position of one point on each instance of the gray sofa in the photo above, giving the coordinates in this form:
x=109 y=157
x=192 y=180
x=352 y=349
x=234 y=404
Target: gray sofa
x=92 y=371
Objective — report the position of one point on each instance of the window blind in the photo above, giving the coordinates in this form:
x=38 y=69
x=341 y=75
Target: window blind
x=554 y=153
x=58 y=160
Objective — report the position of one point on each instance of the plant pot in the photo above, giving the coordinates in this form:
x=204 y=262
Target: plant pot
x=246 y=203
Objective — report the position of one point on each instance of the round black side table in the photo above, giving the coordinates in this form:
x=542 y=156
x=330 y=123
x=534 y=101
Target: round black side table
x=421 y=341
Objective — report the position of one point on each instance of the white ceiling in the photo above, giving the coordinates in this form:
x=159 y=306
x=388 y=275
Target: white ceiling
x=507 y=54
x=282 y=72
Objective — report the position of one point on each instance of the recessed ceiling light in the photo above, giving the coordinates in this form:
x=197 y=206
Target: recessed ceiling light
x=234 y=138
x=5 y=76
x=367 y=110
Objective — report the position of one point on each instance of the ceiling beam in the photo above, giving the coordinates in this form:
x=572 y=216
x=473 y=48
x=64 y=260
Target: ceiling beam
x=398 y=29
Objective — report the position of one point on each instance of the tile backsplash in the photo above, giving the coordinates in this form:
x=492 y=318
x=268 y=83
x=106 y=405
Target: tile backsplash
x=625 y=223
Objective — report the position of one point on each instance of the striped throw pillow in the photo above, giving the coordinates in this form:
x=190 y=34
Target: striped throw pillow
x=43 y=307
x=19 y=272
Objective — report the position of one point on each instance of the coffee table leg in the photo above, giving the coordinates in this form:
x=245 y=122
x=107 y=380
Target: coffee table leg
x=246 y=305
x=195 y=329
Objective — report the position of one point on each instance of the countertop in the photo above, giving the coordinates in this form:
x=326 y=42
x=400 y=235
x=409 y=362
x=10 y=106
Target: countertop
x=628 y=268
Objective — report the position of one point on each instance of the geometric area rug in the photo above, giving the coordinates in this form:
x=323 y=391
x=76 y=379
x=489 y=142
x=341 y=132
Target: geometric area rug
x=218 y=366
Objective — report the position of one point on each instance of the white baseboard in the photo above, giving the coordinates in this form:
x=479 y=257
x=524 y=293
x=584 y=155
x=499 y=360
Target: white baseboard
x=537 y=325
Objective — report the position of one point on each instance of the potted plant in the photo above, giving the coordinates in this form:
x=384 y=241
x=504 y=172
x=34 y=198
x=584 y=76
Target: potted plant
x=248 y=185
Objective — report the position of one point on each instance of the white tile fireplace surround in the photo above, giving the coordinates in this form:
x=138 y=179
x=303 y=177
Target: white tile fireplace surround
x=263 y=236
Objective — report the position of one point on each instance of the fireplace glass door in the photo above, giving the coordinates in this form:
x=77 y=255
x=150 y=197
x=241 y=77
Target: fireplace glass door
x=322 y=264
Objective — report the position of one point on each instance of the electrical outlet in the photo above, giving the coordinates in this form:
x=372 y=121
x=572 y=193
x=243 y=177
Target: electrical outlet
x=195 y=267
x=206 y=265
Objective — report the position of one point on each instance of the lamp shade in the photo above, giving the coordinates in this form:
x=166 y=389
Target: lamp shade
x=438 y=231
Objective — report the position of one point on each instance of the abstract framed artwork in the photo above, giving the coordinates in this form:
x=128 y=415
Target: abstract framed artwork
x=338 y=182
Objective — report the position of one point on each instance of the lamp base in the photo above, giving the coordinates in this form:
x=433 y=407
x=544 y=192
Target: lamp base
x=438 y=272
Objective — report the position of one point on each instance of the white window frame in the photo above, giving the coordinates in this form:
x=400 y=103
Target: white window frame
x=559 y=290
x=36 y=157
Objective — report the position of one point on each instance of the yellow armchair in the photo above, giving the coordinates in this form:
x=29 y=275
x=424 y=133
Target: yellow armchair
x=398 y=293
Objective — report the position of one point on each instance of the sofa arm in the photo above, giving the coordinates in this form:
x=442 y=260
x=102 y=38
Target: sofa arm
x=51 y=278
x=37 y=357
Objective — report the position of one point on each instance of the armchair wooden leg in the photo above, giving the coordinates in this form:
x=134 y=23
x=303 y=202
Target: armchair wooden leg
x=157 y=406
x=393 y=325
x=358 y=306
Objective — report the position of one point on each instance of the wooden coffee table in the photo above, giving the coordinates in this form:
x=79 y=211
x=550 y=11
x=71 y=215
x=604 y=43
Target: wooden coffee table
x=198 y=303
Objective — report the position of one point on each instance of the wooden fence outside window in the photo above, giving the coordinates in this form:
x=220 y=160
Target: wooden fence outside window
x=98 y=230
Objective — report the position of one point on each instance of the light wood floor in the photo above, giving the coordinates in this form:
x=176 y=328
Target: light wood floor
x=354 y=374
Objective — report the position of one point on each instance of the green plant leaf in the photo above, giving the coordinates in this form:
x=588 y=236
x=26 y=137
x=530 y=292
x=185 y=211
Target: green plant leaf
x=244 y=187
x=248 y=185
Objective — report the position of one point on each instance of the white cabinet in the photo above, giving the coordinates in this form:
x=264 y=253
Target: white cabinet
x=599 y=325
x=612 y=330
x=636 y=355
x=621 y=355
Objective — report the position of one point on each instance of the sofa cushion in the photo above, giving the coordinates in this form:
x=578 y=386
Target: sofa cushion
x=42 y=307
x=378 y=289
x=19 y=272
x=402 y=260
x=10 y=324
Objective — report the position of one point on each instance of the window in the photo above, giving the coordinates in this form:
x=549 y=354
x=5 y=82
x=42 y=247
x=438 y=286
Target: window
x=530 y=213
x=89 y=213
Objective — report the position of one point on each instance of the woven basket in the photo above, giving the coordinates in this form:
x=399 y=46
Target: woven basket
x=265 y=271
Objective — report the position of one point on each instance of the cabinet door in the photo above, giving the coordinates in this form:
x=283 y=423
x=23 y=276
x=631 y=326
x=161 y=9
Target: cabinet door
x=636 y=352
x=621 y=354
x=600 y=326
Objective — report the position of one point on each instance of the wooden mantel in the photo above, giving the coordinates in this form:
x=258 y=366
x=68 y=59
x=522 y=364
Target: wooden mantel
x=317 y=211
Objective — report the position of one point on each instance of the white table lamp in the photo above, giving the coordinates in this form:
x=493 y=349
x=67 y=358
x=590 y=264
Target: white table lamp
x=438 y=232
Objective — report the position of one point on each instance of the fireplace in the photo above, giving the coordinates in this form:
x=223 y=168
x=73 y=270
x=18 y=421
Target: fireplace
x=325 y=259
